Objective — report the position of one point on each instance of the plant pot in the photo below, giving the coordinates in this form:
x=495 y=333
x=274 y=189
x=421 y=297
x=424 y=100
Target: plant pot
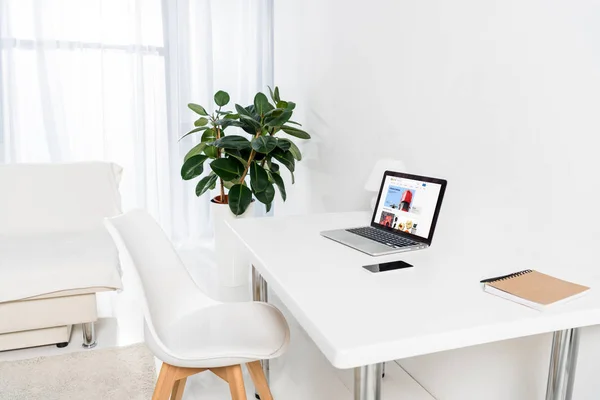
x=233 y=266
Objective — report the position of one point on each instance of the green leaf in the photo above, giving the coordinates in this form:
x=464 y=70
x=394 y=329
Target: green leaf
x=266 y=196
x=261 y=104
x=284 y=144
x=282 y=104
x=198 y=109
x=292 y=148
x=276 y=112
x=248 y=128
x=242 y=111
x=264 y=144
x=209 y=136
x=221 y=98
x=211 y=151
x=227 y=168
x=299 y=133
x=290 y=105
x=206 y=183
x=280 y=185
x=259 y=156
x=231 y=116
x=294 y=122
x=201 y=121
x=280 y=120
x=251 y=122
x=225 y=123
x=240 y=198
x=195 y=130
x=272 y=166
x=268 y=206
x=240 y=155
x=247 y=121
x=272 y=94
x=286 y=158
x=252 y=110
x=197 y=149
x=234 y=142
x=229 y=184
x=277 y=98
x=223 y=112
x=193 y=167
x=259 y=179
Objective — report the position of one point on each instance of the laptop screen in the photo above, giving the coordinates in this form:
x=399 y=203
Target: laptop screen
x=407 y=205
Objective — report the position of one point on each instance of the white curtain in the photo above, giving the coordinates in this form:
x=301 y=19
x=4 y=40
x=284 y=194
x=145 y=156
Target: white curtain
x=110 y=80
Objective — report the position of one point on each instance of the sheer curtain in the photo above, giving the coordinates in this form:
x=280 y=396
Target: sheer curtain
x=110 y=80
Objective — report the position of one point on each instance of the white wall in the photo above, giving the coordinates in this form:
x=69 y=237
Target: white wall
x=501 y=97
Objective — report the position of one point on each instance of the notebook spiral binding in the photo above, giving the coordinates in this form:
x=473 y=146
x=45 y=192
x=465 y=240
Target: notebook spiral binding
x=511 y=276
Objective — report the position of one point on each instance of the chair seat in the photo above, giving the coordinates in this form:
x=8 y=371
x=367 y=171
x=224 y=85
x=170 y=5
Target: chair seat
x=224 y=334
x=36 y=265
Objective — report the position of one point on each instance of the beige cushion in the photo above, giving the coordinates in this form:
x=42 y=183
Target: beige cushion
x=44 y=198
x=38 y=265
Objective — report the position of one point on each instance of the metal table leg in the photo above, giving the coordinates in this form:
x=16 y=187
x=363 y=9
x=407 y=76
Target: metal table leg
x=260 y=292
x=367 y=382
x=563 y=361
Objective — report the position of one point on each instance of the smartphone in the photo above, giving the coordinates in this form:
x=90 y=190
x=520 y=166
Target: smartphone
x=389 y=266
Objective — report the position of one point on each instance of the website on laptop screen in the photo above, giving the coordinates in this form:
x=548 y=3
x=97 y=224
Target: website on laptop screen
x=407 y=205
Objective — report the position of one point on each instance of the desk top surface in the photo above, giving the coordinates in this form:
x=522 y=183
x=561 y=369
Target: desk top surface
x=358 y=318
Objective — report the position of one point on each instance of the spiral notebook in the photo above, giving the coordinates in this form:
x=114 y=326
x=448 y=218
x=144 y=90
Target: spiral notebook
x=533 y=289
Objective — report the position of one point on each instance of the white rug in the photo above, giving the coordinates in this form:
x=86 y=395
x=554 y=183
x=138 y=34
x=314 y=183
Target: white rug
x=126 y=373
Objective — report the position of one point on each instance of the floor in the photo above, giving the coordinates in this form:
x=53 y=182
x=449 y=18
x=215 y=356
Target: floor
x=302 y=373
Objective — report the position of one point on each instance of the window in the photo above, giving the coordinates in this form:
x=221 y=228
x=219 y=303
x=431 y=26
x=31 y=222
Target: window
x=110 y=80
x=85 y=78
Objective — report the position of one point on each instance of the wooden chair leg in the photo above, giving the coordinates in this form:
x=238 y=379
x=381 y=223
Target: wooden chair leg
x=260 y=382
x=236 y=382
x=221 y=372
x=178 y=388
x=165 y=382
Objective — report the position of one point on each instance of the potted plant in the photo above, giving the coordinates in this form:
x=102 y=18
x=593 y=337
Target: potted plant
x=248 y=166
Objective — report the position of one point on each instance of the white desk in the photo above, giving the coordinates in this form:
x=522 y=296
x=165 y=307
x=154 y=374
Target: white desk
x=360 y=320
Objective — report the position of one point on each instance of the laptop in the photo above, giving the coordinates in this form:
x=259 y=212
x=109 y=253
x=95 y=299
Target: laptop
x=404 y=219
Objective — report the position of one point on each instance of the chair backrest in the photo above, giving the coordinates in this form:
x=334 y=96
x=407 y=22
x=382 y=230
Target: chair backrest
x=49 y=198
x=168 y=289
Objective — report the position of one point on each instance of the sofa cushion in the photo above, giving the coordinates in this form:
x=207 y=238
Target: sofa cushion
x=34 y=265
x=47 y=198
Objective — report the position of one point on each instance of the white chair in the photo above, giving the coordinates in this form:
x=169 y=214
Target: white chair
x=187 y=330
x=55 y=253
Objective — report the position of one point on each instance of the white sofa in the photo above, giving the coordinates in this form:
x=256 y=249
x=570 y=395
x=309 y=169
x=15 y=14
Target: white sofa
x=55 y=253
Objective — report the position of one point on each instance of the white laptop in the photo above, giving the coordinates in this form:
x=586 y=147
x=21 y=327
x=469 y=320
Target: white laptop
x=404 y=219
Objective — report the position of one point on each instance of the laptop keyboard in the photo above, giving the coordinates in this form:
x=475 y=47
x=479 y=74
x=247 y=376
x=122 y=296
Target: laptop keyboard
x=383 y=237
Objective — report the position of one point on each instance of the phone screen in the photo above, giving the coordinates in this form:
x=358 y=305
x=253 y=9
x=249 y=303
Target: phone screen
x=389 y=266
